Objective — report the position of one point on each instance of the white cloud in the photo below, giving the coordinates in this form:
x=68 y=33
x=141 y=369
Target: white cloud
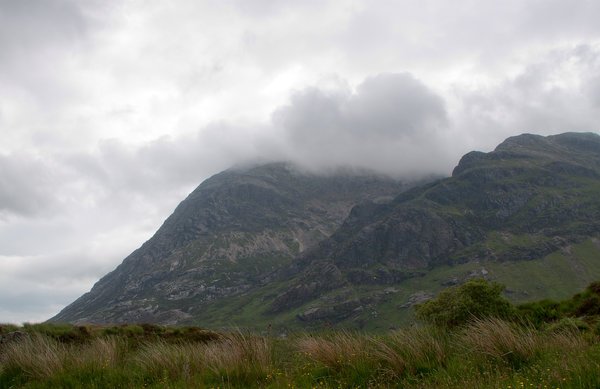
x=390 y=123
x=556 y=93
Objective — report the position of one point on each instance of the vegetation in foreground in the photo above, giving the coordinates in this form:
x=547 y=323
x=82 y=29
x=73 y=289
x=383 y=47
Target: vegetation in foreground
x=471 y=338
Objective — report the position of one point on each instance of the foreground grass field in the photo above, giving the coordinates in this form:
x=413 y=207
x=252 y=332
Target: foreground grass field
x=487 y=353
x=475 y=339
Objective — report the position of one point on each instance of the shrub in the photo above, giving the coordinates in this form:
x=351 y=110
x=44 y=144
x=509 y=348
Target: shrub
x=588 y=306
x=540 y=312
x=584 y=304
x=62 y=332
x=458 y=305
x=152 y=329
x=133 y=330
x=568 y=324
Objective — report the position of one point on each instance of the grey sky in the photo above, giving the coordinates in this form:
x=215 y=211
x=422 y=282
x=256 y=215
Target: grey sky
x=112 y=111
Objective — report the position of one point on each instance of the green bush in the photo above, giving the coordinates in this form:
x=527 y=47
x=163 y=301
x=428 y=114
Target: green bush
x=584 y=304
x=539 y=312
x=458 y=305
x=568 y=324
x=62 y=332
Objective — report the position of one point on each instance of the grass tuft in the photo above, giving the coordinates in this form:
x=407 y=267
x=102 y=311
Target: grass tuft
x=414 y=350
x=499 y=340
x=339 y=350
x=36 y=356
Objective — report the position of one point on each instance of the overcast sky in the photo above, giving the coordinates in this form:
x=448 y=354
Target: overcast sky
x=112 y=111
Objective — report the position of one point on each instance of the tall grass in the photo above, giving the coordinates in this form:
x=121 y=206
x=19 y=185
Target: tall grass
x=160 y=359
x=486 y=353
x=39 y=356
x=402 y=351
x=335 y=351
x=343 y=356
x=412 y=351
x=566 y=341
x=99 y=354
x=499 y=340
x=240 y=356
x=36 y=356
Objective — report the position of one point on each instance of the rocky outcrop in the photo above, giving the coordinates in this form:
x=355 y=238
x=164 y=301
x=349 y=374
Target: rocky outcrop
x=314 y=281
x=417 y=298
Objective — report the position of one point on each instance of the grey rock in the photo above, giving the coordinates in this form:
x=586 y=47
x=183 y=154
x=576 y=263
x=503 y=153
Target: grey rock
x=416 y=298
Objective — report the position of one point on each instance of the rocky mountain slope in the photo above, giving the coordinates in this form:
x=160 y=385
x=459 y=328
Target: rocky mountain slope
x=274 y=246
x=225 y=239
x=529 y=198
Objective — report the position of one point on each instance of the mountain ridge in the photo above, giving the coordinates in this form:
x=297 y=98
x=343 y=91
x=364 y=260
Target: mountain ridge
x=529 y=205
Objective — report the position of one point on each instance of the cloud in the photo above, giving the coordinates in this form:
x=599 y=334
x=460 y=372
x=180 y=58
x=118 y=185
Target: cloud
x=34 y=34
x=46 y=265
x=25 y=186
x=556 y=93
x=387 y=105
x=389 y=123
x=31 y=27
x=34 y=287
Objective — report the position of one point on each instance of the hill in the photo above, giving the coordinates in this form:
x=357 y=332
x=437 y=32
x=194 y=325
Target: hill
x=226 y=239
x=271 y=245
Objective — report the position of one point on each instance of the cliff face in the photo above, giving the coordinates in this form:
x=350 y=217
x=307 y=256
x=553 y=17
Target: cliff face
x=273 y=245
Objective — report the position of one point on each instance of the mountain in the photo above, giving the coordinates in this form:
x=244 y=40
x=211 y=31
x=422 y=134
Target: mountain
x=274 y=246
x=532 y=201
x=226 y=238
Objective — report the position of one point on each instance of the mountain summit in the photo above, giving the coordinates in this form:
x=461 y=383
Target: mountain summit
x=272 y=244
